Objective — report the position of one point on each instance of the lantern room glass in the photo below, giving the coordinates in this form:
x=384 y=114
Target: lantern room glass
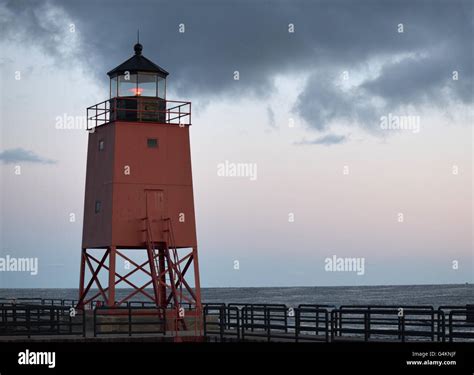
x=146 y=85
x=138 y=84
x=161 y=87
x=127 y=85
x=113 y=87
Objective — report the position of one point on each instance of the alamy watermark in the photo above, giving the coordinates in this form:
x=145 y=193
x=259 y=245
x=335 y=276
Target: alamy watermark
x=68 y=122
x=338 y=264
x=13 y=264
x=402 y=122
x=229 y=169
x=37 y=358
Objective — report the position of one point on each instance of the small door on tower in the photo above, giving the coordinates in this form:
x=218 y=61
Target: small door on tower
x=155 y=213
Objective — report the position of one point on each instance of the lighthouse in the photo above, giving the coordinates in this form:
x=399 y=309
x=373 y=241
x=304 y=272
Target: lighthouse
x=139 y=221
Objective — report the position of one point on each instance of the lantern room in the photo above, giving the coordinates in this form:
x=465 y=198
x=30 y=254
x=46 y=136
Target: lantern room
x=138 y=89
x=138 y=76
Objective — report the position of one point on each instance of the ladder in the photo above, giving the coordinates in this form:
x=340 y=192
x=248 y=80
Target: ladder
x=173 y=261
x=171 y=276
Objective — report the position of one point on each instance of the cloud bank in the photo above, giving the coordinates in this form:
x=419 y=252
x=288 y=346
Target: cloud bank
x=387 y=71
x=20 y=155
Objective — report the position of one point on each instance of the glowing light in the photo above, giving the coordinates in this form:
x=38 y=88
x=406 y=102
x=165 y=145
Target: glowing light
x=137 y=91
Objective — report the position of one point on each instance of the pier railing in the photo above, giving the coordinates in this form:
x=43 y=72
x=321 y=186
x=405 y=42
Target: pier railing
x=237 y=321
x=460 y=322
x=390 y=322
x=266 y=322
x=347 y=323
x=40 y=319
x=129 y=320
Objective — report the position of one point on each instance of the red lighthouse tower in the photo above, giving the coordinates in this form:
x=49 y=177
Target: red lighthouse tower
x=139 y=218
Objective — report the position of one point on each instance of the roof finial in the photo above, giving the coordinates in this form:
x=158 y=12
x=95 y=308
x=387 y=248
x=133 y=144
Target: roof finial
x=138 y=47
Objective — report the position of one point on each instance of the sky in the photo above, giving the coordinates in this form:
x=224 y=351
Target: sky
x=321 y=86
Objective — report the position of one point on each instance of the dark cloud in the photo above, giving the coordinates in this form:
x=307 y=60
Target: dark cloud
x=19 y=155
x=423 y=78
x=39 y=23
x=321 y=102
x=252 y=37
x=327 y=140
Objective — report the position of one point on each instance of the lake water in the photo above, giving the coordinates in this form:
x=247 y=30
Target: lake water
x=434 y=295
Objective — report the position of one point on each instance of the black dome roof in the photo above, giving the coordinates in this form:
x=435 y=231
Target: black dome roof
x=138 y=63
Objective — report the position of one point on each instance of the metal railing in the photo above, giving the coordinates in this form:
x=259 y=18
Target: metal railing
x=459 y=325
x=395 y=323
x=459 y=322
x=139 y=109
x=266 y=322
x=327 y=323
x=150 y=304
x=238 y=321
x=222 y=321
x=313 y=320
x=129 y=320
x=40 y=319
x=50 y=302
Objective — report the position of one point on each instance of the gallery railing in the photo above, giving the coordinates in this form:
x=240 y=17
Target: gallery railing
x=139 y=109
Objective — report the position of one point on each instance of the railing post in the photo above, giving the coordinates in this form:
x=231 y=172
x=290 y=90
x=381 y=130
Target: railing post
x=70 y=321
x=403 y=327
x=266 y=319
x=443 y=319
x=297 y=323
x=339 y=322
x=326 y=325
x=399 y=327
x=369 y=316
x=450 y=326
x=317 y=321
x=432 y=326
x=58 y=321
x=51 y=318
x=366 y=326
x=14 y=313
x=438 y=323
x=164 y=320
x=83 y=322
x=251 y=317
x=204 y=320
x=28 y=321
x=333 y=312
x=129 y=321
x=3 y=321
x=95 y=321
x=238 y=322
x=222 y=321
x=244 y=321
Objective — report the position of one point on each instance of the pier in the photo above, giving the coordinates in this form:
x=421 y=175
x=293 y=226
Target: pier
x=57 y=320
